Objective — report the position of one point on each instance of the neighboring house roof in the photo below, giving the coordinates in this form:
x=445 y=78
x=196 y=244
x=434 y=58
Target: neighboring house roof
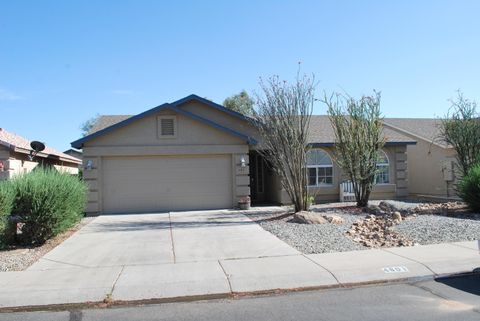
x=321 y=133
x=428 y=129
x=173 y=106
x=20 y=144
x=73 y=152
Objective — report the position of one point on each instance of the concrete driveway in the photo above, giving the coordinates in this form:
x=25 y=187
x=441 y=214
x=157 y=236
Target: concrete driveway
x=205 y=254
x=175 y=237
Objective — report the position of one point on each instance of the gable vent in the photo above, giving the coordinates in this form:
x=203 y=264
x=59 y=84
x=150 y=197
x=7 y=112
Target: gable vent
x=167 y=127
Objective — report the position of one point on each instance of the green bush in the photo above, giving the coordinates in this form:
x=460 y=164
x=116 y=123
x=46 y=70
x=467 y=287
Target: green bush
x=470 y=188
x=48 y=203
x=6 y=203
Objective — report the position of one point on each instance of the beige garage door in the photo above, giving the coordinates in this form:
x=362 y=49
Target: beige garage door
x=150 y=184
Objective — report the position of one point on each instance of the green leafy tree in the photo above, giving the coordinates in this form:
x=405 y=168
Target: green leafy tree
x=461 y=129
x=241 y=103
x=358 y=131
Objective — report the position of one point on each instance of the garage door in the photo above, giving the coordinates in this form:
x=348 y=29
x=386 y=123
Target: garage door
x=150 y=184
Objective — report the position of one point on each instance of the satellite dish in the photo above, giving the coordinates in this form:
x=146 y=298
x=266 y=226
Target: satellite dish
x=37 y=146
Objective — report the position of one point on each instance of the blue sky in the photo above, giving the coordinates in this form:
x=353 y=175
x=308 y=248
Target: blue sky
x=62 y=62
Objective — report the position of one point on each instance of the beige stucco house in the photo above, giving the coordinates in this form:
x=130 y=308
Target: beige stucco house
x=195 y=154
x=431 y=161
x=15 y=157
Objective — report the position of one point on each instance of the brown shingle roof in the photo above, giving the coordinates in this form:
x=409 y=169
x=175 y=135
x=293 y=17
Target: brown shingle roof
x=321 y=130
x=428 y=129
x=105 y=121
x=22 y=145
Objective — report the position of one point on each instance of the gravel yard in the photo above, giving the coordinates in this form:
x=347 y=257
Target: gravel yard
x=19 y=258
x=323 y=238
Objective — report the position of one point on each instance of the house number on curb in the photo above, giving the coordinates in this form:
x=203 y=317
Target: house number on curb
x=395 y=269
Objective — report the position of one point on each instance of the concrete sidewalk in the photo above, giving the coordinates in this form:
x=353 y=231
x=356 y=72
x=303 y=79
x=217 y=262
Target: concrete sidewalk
x=186 y=255
x=223 y=278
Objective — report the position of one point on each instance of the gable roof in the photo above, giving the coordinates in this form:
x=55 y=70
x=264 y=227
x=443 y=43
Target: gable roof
x=210 y=103
x=110 y=123
x=20 y=144
x=321 y=133
x=427 y=129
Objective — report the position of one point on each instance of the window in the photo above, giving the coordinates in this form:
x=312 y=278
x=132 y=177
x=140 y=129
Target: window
x=167 y=126
x=383 y=169
x=319 y=167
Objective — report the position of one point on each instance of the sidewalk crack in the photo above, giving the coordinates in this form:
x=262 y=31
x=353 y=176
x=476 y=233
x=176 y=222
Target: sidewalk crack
x=116 y=280
x=331 y=273
x=226 y=275
x=65 y=263
x=171 y=238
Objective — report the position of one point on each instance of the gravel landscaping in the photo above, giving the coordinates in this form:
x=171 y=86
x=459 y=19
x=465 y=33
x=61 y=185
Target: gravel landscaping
x=19 y=258
x=323 y=238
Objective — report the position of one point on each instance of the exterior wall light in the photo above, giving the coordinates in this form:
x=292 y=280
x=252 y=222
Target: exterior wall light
x=243 y=162
x=89 y=165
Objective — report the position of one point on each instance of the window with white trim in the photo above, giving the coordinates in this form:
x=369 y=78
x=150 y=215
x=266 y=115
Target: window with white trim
x=167 y=126
x=383 y=169
x=319 y=167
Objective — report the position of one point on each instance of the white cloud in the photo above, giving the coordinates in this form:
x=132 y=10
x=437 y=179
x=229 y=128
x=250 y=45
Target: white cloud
x=8 y=95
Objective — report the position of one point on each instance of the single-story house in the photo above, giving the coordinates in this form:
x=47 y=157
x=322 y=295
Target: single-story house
x=196 y=154
x=15 y=157
x=431 y=161
x=75 y=153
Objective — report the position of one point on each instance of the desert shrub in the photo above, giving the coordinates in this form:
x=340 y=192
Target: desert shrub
x=469 y=188
x=6 y=203
x=48 y=202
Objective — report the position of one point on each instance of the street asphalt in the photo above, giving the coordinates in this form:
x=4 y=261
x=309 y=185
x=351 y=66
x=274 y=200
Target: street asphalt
x=455 y=298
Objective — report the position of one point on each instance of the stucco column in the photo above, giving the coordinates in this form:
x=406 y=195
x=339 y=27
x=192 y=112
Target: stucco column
x=401 y=168
x=242 y=177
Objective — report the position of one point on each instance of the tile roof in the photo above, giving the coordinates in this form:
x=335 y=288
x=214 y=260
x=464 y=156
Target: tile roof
x=22 y=145
x=428 y=129
x=321 y=130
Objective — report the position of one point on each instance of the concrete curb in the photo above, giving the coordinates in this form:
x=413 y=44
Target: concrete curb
x=227 y=295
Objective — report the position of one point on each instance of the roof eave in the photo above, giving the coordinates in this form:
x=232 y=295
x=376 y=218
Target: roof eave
x=392 y=143
x=211 y=104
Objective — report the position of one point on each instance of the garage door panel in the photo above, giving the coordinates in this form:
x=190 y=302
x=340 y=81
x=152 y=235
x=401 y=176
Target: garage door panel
x=148 y=184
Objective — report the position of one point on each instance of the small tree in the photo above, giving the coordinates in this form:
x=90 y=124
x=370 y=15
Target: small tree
x=283 y=117
x=461 y=129
x=241 y=103
x=86 y=126
x=358 y=131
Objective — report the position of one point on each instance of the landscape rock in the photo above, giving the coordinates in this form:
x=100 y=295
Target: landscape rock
x=396 y=216
x=374 y=209
x=334 y=219
x=309 y=218
x=391 y=206
x=377 y=231
x=441 y=208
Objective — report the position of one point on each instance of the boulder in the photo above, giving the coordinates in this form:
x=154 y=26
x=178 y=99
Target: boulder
x=397 y=206
x=309 y=218
x=334 y=219
x=374 y=210
x=397 y=216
